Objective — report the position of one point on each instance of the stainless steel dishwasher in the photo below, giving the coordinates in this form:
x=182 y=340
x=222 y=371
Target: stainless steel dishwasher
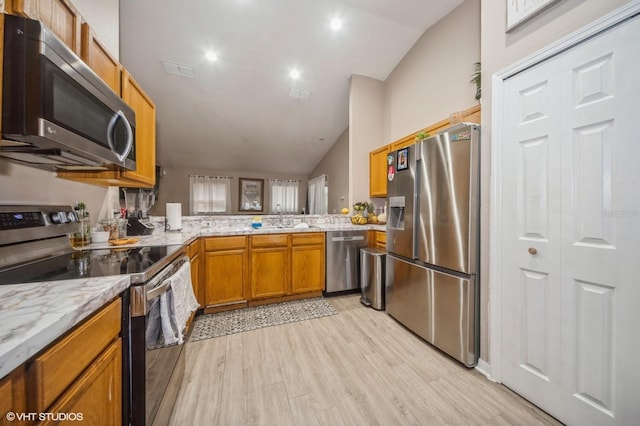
x=343 y=259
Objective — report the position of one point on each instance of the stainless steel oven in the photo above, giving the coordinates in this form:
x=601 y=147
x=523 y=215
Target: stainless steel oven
x=34 y=248
x=153 y=394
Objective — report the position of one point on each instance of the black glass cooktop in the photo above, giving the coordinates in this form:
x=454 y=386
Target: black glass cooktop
x=88 y=264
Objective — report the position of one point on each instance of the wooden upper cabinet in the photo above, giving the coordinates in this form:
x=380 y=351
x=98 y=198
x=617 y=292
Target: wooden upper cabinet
x=98 y=58
x=145 y=109
x=378 y=172
x=60 y=16
x=378 y=157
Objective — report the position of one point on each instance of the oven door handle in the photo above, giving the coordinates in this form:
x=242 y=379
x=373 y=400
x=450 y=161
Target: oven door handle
x=159 y=291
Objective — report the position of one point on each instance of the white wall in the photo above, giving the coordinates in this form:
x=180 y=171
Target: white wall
x=335 y=164
x=104 y=18
x=366 y=111
x=27 y=185
x=174 y=188
x=433 y=79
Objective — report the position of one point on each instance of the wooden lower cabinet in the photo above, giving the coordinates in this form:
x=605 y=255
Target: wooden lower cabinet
x=13 y=396
x=307 y=262
x=269 y=266
x=97 y=394
x=377 y=239
x=226 y=267
x=80 y=374
x=250 y=270
x=196 y=272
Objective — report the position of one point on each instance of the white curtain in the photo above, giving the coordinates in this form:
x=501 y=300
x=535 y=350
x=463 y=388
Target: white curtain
x=285 y=193
x=318 y=195
x=209 y=194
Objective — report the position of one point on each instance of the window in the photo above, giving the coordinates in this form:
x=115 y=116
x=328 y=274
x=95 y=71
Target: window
x=209 y=194
x=285 y=193
x=318 y=195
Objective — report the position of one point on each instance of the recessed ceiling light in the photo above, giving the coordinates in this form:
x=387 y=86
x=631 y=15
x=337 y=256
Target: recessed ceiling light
x=335 y=24
x=294 y=74
x=212 y=56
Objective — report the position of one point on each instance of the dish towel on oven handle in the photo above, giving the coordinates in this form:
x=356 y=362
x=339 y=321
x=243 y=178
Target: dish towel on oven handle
x=177 y=304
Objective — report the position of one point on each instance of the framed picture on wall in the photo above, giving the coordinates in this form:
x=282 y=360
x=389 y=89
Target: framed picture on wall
x=251 y=197
x=520 y=11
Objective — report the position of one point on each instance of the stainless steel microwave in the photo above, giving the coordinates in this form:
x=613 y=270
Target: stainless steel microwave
x=56 y=112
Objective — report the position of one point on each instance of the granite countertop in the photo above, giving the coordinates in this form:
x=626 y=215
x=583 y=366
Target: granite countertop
x=33 y=315
x=187 y=236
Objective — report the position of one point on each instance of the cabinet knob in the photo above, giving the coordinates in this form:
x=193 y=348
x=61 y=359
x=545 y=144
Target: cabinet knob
x=532 y=250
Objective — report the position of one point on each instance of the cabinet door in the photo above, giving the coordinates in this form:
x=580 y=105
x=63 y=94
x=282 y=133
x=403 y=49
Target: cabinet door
x=307 y=268
x=12 y=394
x=98 y=58
x=60 y=16
x=145 y=109
x=225 y=276
x=97 y=394
x=196 y=268
x=269 y=277
x=378 y=172
x=381 y=239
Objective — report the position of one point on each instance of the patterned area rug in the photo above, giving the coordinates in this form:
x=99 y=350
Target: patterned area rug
x=230 y=322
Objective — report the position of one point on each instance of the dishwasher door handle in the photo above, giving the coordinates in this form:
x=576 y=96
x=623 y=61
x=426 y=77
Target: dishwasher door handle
x=356 y=238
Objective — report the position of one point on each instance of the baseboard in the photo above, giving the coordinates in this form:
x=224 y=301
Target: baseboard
x=484 y=368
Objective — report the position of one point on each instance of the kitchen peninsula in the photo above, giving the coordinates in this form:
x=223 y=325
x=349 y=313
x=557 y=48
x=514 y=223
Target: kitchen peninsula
x=35 y=315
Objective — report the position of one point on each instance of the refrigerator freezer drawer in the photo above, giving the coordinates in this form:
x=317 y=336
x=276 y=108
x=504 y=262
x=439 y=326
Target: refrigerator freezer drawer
x=439 y=307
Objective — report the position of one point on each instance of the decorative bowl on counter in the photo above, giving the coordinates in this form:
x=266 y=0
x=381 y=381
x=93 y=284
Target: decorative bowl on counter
x=358 y=219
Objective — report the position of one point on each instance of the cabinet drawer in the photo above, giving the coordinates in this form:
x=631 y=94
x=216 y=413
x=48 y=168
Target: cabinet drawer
x=225 y=243
x=381 y=237
x=307 y=238
x=52 y=372
x=270 y=240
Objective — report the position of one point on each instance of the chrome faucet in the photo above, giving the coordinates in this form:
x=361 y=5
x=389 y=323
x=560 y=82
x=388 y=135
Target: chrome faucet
x=278 y=210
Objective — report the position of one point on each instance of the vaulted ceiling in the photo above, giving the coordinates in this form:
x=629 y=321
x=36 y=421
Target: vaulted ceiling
x=243 y=111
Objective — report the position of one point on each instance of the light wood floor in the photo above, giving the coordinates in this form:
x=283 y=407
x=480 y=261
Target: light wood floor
x=359 y=367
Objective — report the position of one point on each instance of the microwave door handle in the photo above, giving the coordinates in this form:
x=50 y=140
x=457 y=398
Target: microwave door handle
x=112 y=123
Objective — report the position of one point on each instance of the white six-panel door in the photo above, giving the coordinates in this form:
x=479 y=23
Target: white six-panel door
x=570 y=274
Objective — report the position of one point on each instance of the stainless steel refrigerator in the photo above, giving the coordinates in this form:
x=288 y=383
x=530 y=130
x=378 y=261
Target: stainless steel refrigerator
x=433 y=240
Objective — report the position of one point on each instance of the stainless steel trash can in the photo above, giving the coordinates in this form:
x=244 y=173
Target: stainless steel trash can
x=372 y=264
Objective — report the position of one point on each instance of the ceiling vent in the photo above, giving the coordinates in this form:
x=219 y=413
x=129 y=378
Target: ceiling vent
x=178 y=69
x=299 y=94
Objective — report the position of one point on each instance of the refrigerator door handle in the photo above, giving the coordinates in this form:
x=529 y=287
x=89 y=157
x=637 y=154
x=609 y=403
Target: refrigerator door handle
x=417 y=187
